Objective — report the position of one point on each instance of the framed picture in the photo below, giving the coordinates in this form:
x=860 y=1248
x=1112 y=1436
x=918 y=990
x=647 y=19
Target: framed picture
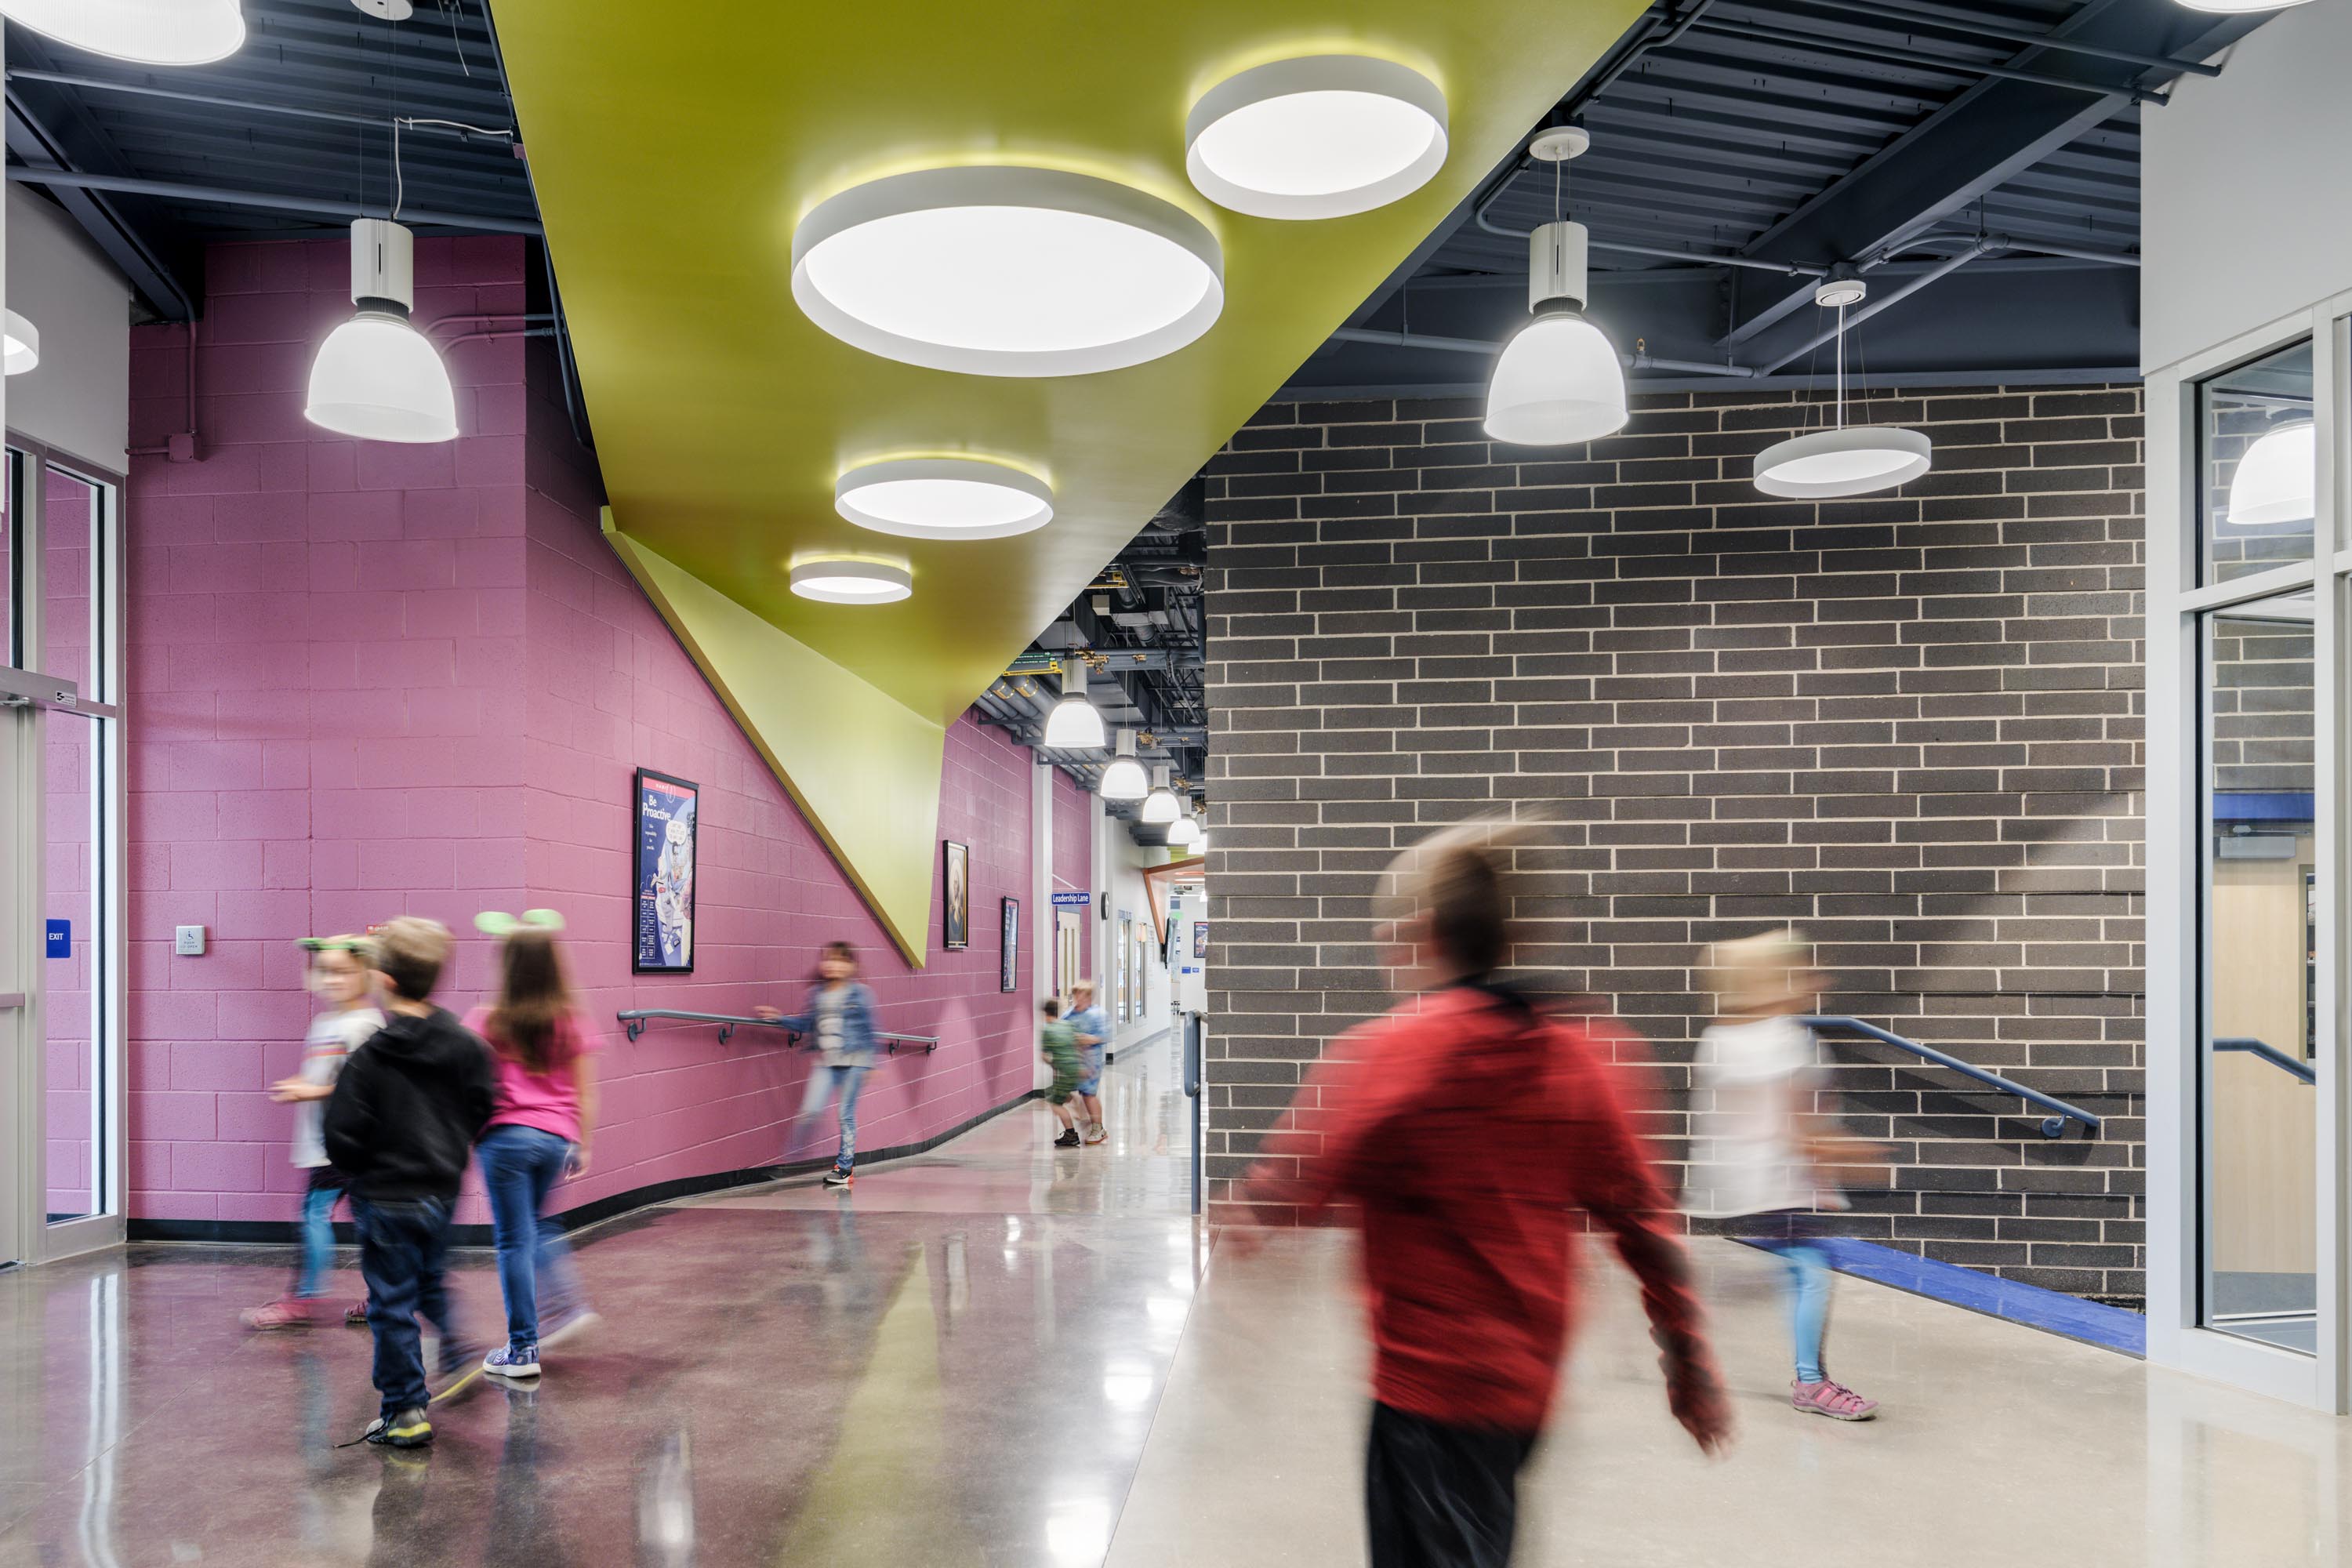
x=955 y=917
x=1008 y=962
x=662 y=875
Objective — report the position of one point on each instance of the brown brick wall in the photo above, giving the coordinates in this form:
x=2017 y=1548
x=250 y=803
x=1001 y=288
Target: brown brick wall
x=1910 y=724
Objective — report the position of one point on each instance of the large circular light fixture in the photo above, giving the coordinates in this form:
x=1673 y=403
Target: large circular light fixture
x=943 y=498
x=2239 y=7
x=851 y=580
x=376 y=377
x=996 y=270
x=2277 y=479
x=1122 y=776
x=1851 y=461
x=149 y=32
x=1075 y=724
x=1159 y=805
x=24 y=345
x=1323 y=136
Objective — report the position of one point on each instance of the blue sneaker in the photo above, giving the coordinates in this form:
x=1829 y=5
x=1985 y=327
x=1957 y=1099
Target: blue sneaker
x=508 y=1361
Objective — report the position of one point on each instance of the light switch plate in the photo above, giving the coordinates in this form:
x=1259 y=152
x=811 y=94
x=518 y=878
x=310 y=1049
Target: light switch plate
x=190 y=942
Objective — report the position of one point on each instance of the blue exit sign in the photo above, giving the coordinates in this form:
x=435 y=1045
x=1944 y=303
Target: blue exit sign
x=61 y=938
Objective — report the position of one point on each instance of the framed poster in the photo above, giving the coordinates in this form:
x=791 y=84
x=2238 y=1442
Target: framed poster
x=1127 y=977
x=1008 y=961
x=955 y=916
x=662 y=875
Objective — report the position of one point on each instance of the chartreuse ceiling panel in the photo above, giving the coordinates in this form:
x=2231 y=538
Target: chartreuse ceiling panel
x=675 y=149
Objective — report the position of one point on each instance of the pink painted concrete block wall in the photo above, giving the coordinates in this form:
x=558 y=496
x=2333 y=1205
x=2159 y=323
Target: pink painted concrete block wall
x=368 y=679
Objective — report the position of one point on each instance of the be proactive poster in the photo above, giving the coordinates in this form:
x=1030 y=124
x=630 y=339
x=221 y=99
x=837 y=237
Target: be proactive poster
x=664 y=875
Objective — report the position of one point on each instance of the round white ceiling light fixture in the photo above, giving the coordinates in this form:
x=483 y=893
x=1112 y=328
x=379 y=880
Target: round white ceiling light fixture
x=1845 y=459
x=1159 y=805
x=376 y=377
x=390 y=10
x=1560 y=380
x=1075 y=724
x=851 y=580
x=1123 y=777
x=943 y=498
x=2239 y=7
x=146 y=32
x=24 y=345
x=2277 y=479
x=1000 y=270
x=1321 y=136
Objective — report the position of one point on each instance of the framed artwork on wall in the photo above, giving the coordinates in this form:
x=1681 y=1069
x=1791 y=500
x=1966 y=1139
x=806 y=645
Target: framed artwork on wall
x=955 y=915
x=662 y=874
x=1008 y=961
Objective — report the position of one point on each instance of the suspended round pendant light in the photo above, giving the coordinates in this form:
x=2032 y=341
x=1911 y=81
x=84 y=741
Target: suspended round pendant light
x=851 y=580
x=376 y=377
x=996 y=270
x=1323 y=136
x=1846 y=460
x=1075 y=724
x=2277 y=479
x=1560 y=380
x=1123 y=777
x=1159 y=805
x=148 y=32
x=943 y=498
x=1184 y=829
x=24 y=345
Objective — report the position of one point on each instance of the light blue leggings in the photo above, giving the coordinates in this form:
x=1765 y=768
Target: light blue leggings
x=1808 y=1302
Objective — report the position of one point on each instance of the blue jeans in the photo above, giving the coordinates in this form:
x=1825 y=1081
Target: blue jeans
x=520 y=1165
x=404 y=1244
x=824 y=1083
x=317 y=1229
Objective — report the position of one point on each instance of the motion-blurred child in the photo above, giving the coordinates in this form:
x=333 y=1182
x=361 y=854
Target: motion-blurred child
x=1761 y=1147
x=840 y=1017
x=1057 y=1044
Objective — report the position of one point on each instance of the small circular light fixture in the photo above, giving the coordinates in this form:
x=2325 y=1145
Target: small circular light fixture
x=2277 y=479
x=1183 y=830
x=1851 y=461
x=24 y=345
x=943 y=498
x=1322 y=136
x=2239 y=7
x=1159 y=805
x=851 y=580
x=148 y=32
x=997 y=270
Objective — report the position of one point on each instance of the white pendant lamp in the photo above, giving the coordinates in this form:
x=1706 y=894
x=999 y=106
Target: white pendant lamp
x=1846 y=460
x=1323 y=136
x=2277 y=479
x=943 y=498
x=1159 y=805
x=1183 y=830
x=1123 y=777
x=851 y=580
x=147 y=32
x=995 y=271
x=1075 y=724
x=1560 y=380
x=376 y=377
x=24 y=345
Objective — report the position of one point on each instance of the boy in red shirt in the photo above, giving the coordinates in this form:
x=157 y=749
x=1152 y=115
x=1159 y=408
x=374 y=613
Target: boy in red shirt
x=1470 y=1129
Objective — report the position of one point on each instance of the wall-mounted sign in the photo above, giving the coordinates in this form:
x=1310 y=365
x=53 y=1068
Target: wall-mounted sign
x=1073 y=900
x=60 y=939
x=1005 y=980
x=663 y=875
x=1200 y=941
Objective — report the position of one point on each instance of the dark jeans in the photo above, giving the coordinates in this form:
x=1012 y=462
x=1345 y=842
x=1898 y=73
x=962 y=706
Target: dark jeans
x=402 y=1245
x=1441 y=1497
x=520 y=1165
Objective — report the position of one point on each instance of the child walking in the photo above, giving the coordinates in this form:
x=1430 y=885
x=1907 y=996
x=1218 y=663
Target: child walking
x=840 y=1015
x=338 y=974
x=541 y=1046
x=1058 y=1044
x=1092 y=1026
x=399 y=1126
x=1761 y=1151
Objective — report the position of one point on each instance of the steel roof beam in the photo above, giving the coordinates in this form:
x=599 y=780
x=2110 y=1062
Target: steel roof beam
x=207 y=195
x=29 y=139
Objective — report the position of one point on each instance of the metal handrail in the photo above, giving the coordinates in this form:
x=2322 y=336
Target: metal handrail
x=2051 y=1126
x=635 y=1020
x=2269 y=1053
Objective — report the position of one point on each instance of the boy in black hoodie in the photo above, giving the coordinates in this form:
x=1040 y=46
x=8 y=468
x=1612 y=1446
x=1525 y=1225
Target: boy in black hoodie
x=399 y=1127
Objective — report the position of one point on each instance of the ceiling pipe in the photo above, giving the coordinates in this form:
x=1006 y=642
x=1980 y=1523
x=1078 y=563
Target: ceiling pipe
x=1762 y=32
x=1854 y=318
x=330 y=116
x=1477 y=346
x=416 y=218
x=1991 y=30
x=1785 y=269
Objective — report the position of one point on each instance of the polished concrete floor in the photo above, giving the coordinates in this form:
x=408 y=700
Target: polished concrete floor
x=1003 y=1355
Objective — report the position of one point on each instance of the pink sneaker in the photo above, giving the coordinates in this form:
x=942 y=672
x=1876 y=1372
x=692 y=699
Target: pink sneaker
x=1834 y=1400
x=355 y=1315
x=289 y=1313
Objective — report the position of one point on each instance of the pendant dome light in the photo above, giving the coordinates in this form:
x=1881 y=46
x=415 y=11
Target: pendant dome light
x=1075 y=724
x=1123 y=777
x=943 y=498
x=2277 y=479
x=851 y=580
x=145 y=32
x=1323 y=136
x=1184 y=830
x=24 y=345
x=1560 y=380
x=1846 y=460
x=1159 y=805
x=376 y=377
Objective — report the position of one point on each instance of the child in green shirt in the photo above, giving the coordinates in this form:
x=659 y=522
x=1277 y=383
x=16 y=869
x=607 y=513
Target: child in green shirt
x=1058 y=1045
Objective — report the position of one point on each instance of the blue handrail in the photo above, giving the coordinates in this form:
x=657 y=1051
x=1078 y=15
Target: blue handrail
x=2051 y=1126
x=634 y=1022
x=2269 y=1053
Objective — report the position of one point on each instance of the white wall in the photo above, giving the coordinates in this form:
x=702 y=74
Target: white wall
x=79 y=399
x=1124 y=882
x=2246 y=186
